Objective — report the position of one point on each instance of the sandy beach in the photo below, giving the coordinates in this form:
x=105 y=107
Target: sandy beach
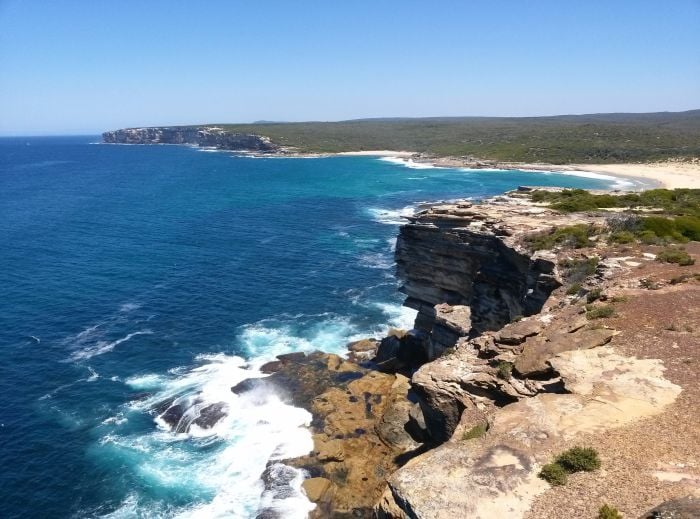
x=670 y=174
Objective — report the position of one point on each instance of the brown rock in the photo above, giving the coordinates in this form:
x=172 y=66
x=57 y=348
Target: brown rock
x=316 y=489
x=328 y=450
x=538 y=350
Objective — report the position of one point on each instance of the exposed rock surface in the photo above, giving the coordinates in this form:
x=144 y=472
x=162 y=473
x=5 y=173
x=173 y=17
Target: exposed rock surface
x=683 y=508
x=360 y=428
x=468 y=261
x=496 y=476
x=204 y=136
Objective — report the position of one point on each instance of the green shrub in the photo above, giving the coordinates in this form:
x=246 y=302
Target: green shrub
x=685 y=277
x=622 y=237
x=475 y=432
x=688 y=226
x=682 y=202
x=675 y=256
x=594 y=295
x=619 y=299
x=609 y=512
x=658 y=225
x=572 y=236
x=599 y=311
x=579 y=459
x=554 y=474
x=576 y=270
x=648 y=237
x=573 y=289
x=505 y=369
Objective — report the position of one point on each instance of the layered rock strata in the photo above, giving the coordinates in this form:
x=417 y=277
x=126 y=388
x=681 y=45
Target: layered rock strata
x=203 y=136
x=465 y=268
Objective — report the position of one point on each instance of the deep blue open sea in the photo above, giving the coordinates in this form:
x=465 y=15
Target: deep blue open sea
x=134 y=276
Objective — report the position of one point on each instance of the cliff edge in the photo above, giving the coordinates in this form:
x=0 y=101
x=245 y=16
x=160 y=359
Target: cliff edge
x=203 y=136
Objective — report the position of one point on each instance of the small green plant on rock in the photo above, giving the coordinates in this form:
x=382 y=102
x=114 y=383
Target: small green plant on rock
x=579 y=459
x=576 y=270
x=568 y=237
x=599 y=311
x=554 y=474
x=505 y=369
x=609 y=512
x=475 y=432
x=594 y=295
x=573 y=289
x=678 y=256
x=622 y=237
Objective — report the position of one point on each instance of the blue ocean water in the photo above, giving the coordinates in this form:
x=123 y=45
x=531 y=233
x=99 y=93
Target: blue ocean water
x=137 y=275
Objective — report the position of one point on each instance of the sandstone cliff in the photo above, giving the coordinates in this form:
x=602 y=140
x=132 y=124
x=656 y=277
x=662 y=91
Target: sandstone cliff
x=465 y=269
x=204 y=136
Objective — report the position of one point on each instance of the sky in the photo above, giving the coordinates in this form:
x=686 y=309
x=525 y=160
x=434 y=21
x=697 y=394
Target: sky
x=69 y=67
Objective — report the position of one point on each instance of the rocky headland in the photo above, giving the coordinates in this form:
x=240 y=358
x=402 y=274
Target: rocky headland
x=537 y=330
x=511 y=360
x=202 y=136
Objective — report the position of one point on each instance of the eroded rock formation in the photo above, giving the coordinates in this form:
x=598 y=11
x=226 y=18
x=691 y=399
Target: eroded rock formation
x=463 y=268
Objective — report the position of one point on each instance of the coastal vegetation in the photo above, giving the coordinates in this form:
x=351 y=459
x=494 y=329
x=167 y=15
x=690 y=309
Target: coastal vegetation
x=673 y=255
x=570 y=237
x=577 y=459
x=599 y=311
x=597 y=138
x=609 y=512
x=681 y=202
x=475 y=432
x=654 y=217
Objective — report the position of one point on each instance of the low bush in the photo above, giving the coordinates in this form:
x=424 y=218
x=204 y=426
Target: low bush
x=594 y=295
x=678 y=256
x=475 y=432
x=573 y=289
x=576 y=270
x=609 y=512
x=599 y=311
x=579 y=459
x=685 y=277
x=554 y=474
x=571 y=236
x=648 y=237
x=505 y=369
x=622 y=237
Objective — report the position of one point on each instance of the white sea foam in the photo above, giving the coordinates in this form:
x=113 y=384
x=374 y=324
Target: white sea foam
x=376 y=260
x=128 y=307
x=259 y=427
x=398 y=316
x=102 y=347
x=391 y=216
x=93 y=375
x=409 y=163
x=266 y=339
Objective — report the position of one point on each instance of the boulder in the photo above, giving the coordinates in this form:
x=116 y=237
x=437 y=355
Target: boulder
x=533 y=361
x=682 y=508
x=316 y=489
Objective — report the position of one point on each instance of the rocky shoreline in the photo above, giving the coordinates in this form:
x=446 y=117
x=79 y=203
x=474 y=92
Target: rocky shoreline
x=503 y=367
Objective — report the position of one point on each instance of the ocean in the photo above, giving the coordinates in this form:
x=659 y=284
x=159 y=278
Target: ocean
x=138 y=278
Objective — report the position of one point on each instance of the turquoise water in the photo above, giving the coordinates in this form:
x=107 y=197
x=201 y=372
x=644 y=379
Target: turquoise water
x=139 y=277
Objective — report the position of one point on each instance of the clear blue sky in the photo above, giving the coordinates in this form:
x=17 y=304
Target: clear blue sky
x=91 y=65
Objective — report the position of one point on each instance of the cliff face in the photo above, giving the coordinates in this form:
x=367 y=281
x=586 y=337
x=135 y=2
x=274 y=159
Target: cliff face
x=464 y=272
x=199 y=136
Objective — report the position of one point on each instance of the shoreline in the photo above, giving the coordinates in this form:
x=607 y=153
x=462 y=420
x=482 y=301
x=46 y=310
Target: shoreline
x=669 y=174
x=650 y=175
